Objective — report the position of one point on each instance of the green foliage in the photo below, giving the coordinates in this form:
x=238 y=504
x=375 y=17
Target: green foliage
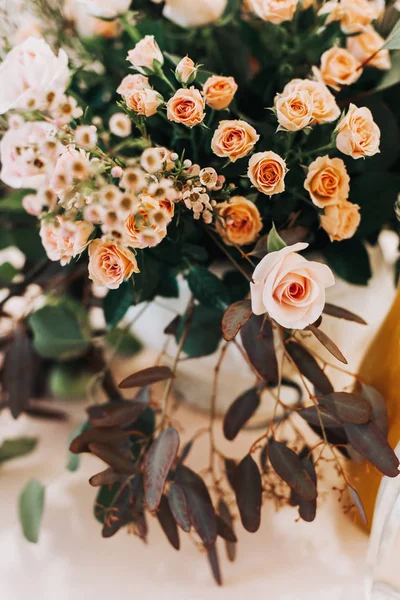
x=207 y=288
x=31 y=504
x=124 y=342
x=16 y=447
x=73 y=460
x=57 y=333
x=275 y=242
x=204 y=332
x=349 y=260
x=376 y=194
x=117 y=302
x=7 y=273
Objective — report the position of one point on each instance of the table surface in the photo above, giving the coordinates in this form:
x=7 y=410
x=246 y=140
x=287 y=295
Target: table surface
x=284 y=560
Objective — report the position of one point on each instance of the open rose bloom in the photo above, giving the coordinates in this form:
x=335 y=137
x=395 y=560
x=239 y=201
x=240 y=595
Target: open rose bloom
x=290 y=288
x=191 y=155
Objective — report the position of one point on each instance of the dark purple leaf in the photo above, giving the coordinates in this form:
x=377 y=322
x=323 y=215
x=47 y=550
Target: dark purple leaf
x=119 y=514
x=235 y=317
x=290 y=468
x=242 y=409
x=179 y=507
x=258 y=341
x=358 y=504
x=168 y=523
x=347 y=407
x=185 y=451
x=18 y=372
x=316 y=416
x=120 y=415
x=201 y=510
x=327 y=343
x=309 y=367
x=157 y=463
x=261 y=248
x=172 y=327
x=107 y=436
x=370 y=442
x=107 y=477
x=264 y=458
x=113 y=458
x=214 y=564
x=226 y=516
x=230 y=466
x=308 y=508
x=39 y=410
x=379 y=413
x=146 y=377
x=225 y=531
x=342 y=313
x=248 y=490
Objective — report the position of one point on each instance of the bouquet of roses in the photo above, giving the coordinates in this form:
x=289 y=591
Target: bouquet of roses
x=149 y=143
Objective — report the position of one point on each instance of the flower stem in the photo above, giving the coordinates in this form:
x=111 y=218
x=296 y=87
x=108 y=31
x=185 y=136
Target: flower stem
x=130 y=29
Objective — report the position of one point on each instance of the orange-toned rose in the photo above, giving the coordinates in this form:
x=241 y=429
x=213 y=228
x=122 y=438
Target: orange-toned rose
x=144 y=54
x=144 y=101
x=238 y=221
x=274 y=11
x=366 y=44
x=110 y=263
x=267 y=172
x=294 y=110
x=327 y=181
x=186 y=71
x=219 y=91
x=339 y=68
x=234 y=139
x=354 y=15
x=324 y=107
x=358 y=134
x=341 y=221
x=186 y=107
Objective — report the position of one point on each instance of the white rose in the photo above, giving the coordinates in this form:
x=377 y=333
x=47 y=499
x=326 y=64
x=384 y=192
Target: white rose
x=107 y=9
x=32 y=75
x=185 y=14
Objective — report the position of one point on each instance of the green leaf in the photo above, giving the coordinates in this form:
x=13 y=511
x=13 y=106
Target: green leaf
x=145 y=283
x=392 y=76
x=204 y=333
x=7 y=273
x=207 y=288
x=376 y=194
x=31 y=504
x=275 y=242
x=73 y=460
x=125 y=343
x=393 y=39
x=57 y=333
x=117 y=302
x=13 y=202
x=17 y=447
x=27 y=239
x=357 y=270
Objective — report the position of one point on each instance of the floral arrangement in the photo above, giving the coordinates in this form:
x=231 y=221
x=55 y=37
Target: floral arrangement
x=146 y=144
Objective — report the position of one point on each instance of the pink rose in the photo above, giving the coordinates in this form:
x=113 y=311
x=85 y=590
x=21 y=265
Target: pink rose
x=28 y=155
x=290 y=288
x=110 y=263
x=63 y=239
x=144 y=54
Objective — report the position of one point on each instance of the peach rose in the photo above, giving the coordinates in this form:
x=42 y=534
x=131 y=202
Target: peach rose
x=144 y=102
x=341 y=221
x=366 y=44
x=290 y=288
x=357 y=133
x=234 y=139
x=324 y=107
x=274 y=11
x=63 y=239
x=339 y=68
x=239 y=221
x=186 y=71
x=294 y=110
x=267 y=172
x=130 y=83
x=327 y=181
x=187 y=107
x=144 y=54
x=110 y=263
x=219 y=91
x=185 y=14
x=354 y=15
